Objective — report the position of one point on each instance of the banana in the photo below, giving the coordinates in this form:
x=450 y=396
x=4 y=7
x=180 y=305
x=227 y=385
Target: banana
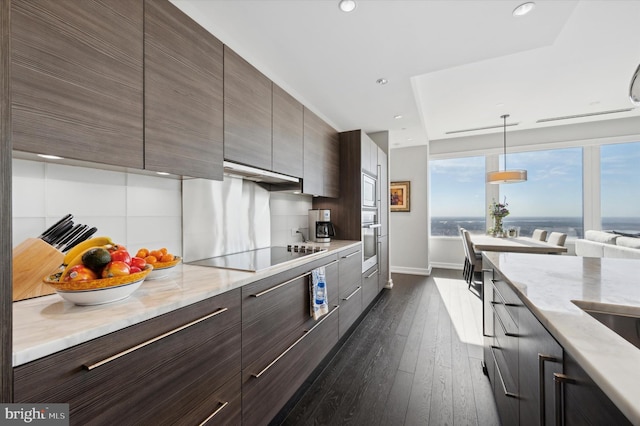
x=83 y=246
x=75 y=261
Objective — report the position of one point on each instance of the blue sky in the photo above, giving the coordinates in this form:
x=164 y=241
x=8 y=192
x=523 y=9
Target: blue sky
x=553 y=188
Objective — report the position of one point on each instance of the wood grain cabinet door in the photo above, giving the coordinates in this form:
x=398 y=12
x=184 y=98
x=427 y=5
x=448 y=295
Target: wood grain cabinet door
x=183 y=94
x=288 y=129
x=77 y=79
x=247 y=113
x=321 y=157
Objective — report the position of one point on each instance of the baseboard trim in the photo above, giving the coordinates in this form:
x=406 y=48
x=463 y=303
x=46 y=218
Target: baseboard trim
x=445 y=265
x=411 y=271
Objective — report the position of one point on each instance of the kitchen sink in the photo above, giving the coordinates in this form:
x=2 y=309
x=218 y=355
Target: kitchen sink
x=624 y=320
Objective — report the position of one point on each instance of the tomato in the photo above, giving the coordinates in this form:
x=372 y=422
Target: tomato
x=116 y=268
x=80 y=273
x=122 y=256
x=138 y=262
x=134 y=269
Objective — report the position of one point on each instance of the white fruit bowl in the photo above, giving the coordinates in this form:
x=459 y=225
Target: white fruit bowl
x=163 y=269
x=99 y=291
x=100 y=295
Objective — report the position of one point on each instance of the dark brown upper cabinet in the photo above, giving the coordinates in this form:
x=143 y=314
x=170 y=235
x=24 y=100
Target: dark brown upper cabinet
x=183 y=94
x=247 y=113
x=288 y=132
x=77 y=77
x=321 y=157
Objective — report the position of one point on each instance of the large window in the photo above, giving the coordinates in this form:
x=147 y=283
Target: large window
x=457 y=195
x=551 y=198
x=620 y=187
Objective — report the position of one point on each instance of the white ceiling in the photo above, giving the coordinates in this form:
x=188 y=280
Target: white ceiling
x=451 y=65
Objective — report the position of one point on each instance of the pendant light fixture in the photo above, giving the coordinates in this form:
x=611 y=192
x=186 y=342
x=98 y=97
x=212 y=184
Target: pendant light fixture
x=506 y=176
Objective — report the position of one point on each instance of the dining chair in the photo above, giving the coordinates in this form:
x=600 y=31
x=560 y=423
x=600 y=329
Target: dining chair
x=475 y=260
x=557 y=238
x=467 y=265
x=539 y=234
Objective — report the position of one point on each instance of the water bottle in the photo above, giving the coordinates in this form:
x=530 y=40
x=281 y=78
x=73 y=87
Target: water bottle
x=321 y=289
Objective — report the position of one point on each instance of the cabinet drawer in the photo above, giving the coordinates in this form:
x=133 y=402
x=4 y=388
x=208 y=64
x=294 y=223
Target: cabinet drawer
x=504 y=389
x=350 y=268
x=369 y=286
x=350 y=309
x=276 y=307
x=140 y=373
x=225 y=407
x=270 y=382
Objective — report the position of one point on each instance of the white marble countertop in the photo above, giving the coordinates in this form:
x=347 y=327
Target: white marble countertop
x=550 y=284
x=48 y=324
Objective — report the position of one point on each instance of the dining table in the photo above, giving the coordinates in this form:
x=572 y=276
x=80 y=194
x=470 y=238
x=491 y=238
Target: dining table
x=514 y=244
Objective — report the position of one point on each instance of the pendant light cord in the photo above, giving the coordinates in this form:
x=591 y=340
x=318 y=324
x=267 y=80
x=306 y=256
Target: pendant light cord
x=505 y=141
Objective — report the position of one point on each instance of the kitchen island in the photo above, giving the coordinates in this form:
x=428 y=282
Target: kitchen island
x=557 y=289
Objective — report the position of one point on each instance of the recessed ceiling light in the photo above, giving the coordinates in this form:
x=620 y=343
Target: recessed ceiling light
x=499 y=105
x=382 y=81
x=347 y=5
x=162 y=173
x=397 y=117
x=409 y=139
x=50 y=157
x=524 y=8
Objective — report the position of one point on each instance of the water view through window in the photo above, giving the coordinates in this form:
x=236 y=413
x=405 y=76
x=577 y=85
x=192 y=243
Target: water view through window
x=551 y=199
x=620 y=187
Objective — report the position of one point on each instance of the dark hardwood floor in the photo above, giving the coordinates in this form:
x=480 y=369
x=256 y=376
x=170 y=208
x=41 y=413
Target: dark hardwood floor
x=413 y=360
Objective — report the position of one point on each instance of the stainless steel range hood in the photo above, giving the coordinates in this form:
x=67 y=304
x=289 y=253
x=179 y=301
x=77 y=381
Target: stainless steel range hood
x=275 y=181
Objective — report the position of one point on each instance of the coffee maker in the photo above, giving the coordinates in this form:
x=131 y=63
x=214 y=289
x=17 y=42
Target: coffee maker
x=320 y=227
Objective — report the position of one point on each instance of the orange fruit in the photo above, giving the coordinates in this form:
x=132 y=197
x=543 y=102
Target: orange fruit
x=167 y=258
x=156 y=253
x=151 y=259
x=142 y=253
x=164 y=250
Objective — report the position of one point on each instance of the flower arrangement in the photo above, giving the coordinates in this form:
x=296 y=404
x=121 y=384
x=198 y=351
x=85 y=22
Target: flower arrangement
x=498 y=211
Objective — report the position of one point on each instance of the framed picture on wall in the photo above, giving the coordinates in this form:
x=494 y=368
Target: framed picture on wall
x=400 y=193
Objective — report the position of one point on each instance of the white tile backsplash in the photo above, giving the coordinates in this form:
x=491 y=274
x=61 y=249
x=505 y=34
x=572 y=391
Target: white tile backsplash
x=289 y=211
x=135 y=210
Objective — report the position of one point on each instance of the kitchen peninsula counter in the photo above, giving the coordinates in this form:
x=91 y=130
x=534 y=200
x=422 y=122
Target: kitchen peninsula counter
x=549 y=285
x=48 y=324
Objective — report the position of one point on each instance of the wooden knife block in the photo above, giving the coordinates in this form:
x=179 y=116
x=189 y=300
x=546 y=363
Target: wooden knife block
x=33 y=259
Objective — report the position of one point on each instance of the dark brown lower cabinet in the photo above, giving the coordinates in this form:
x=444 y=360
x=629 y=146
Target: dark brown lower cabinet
x=535 y=382
x=269 y=383
x=584 y=402
x=178 y=368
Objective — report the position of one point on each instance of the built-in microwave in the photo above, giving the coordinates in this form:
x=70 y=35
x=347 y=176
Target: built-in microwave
x=369 y=193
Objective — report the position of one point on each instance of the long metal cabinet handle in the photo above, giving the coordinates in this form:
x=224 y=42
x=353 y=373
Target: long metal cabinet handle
x=375 y=225
x=351 y=295
x=560 y=380
x=541 y=360
x=504 y=387
x=350 y=254
x=504 y=329
x=504 y=301
x=212 y=415
x=269 y=290
x=155 y=339
x=306 y=333
x=371 y=274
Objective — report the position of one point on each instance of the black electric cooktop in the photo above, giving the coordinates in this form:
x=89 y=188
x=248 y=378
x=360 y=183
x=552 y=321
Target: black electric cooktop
x=259 y=259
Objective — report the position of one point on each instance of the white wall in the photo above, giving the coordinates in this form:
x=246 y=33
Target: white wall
x=409 y=231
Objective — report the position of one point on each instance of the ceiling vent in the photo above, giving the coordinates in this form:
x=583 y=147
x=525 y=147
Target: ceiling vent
x=499 y=126
x=589 y=114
